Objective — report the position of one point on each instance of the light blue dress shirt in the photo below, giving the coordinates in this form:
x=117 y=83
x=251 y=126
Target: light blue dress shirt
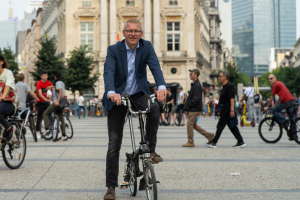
x=131 y=84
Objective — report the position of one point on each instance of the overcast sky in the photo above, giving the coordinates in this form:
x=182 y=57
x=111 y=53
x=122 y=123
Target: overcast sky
x=19 y=7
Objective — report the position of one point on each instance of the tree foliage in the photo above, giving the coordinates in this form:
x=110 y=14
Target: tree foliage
x=235 y=76
x=80 y=70
x=47 y=60
x=10 y=57
x=290 y=76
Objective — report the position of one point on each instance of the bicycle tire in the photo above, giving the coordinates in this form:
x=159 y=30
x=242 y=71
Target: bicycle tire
x=276 y=136
x=150 y=182
x=15 y=158
x=133 y=180
x=295 y=134
x=68 y=126
x=32 y=128
x=55 y=129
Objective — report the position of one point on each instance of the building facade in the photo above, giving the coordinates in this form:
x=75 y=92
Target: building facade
x=178 y=29
x=257 y=26
x=224 y=8
x=215 y=36
x=281 y=57
x=297 y=53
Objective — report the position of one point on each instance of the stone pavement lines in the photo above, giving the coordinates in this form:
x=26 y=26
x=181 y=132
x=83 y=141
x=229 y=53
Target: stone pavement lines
x=160 y=191
x=171 y=160
x=164 y=146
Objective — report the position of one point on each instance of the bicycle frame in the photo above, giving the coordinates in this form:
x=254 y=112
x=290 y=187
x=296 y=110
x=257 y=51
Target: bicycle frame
x=26 y=118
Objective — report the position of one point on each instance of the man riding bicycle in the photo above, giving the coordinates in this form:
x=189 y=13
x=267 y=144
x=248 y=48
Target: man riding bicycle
x=125 y=72
x=285 y=101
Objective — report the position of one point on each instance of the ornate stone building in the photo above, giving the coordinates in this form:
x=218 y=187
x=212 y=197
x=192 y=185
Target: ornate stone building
x=178 y=30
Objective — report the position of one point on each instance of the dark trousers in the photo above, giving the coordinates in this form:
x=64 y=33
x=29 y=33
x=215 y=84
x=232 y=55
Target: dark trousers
x=41 y=107
x=223 y=121
x=115 y=123
x=6 y=109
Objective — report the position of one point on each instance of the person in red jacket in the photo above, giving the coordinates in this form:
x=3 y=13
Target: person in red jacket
x=285 y=101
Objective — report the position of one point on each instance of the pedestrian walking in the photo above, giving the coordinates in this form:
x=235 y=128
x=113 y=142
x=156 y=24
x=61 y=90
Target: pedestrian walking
x=227 y=116
x=249 y=93
x=193 y=105
x=180 y=106
x=81 y=105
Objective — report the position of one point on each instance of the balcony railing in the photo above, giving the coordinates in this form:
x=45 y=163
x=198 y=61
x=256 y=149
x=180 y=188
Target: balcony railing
x=175 y=54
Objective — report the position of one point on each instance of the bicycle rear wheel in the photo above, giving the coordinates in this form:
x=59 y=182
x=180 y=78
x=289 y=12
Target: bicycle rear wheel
x=296 y=128
x=150 y=182
x=55 y=129
x=14 y=152
x=270 y=131
x=68 y=127
x=32 y=128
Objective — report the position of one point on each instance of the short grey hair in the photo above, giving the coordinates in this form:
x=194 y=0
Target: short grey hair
x=225 y=74
x=134 y=21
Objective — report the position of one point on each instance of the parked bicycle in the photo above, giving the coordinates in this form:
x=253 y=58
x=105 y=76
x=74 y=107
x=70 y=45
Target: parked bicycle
x=270 y=130
x=14 y=151
x=131 y=171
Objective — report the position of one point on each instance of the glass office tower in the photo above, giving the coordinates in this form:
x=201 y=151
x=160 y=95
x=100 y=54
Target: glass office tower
x=258 y=25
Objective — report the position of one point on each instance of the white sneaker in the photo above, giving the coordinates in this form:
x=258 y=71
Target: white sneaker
x=39 y=136
x=64 y=138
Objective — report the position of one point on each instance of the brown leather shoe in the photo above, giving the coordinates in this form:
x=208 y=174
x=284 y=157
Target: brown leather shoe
x=110 y=194
x=210 y=137
x=156 y=158
x=188 y=144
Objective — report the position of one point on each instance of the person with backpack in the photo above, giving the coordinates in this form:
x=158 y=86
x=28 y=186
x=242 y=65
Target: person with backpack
x=249 y=93
x=180 y=105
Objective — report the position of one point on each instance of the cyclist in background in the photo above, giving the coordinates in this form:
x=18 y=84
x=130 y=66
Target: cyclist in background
x=42 y=86
x=23 y=89
x=285 y=101
x=180 y=105
x=60 y=92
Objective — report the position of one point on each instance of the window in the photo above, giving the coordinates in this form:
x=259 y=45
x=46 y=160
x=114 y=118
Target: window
x=87 y=35
x=173 y=36
x=86 y=3
x=129 y=2
x=173 y=2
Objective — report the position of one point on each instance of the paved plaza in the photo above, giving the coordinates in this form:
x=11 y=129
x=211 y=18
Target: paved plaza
x=75 y=169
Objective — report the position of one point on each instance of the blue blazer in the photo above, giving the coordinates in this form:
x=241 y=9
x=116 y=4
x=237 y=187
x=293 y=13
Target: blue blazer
x=116 y=69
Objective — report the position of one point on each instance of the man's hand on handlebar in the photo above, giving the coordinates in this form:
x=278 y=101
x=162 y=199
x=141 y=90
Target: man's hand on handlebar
x=266 y=108
x=161 y=95
x=116 y=98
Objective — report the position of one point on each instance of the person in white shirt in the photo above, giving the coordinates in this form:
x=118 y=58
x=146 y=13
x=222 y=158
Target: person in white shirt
x=249 y=93
x=180 y=106
x=81 y=105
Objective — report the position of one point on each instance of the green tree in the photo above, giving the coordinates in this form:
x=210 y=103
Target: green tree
x=80 y=70
x=235 y=76
x=47 y=60
x=11 y=59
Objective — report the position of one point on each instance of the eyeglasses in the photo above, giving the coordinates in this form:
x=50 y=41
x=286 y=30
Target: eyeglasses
x=220 y=76
x=132 y=31
x=270 y=78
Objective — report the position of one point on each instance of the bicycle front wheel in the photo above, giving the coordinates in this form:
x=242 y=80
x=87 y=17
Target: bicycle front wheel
x=69 y=128
x=150 y=182
x=55 y=129
x=270 y=130
x=295 y=129
x=32 y=128
x=14 y=152
x=133 y=180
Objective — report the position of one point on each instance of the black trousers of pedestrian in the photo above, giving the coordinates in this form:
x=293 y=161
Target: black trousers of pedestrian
x=115 y=122
x=41 y=107
x=6 y=109
x=223 y=121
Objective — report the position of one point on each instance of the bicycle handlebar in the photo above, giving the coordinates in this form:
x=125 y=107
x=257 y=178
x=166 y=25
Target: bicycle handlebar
x=126 y=102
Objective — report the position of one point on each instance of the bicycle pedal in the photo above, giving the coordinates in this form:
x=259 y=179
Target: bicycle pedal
x=158 y=182
x=154 y=162
x=123 y=186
